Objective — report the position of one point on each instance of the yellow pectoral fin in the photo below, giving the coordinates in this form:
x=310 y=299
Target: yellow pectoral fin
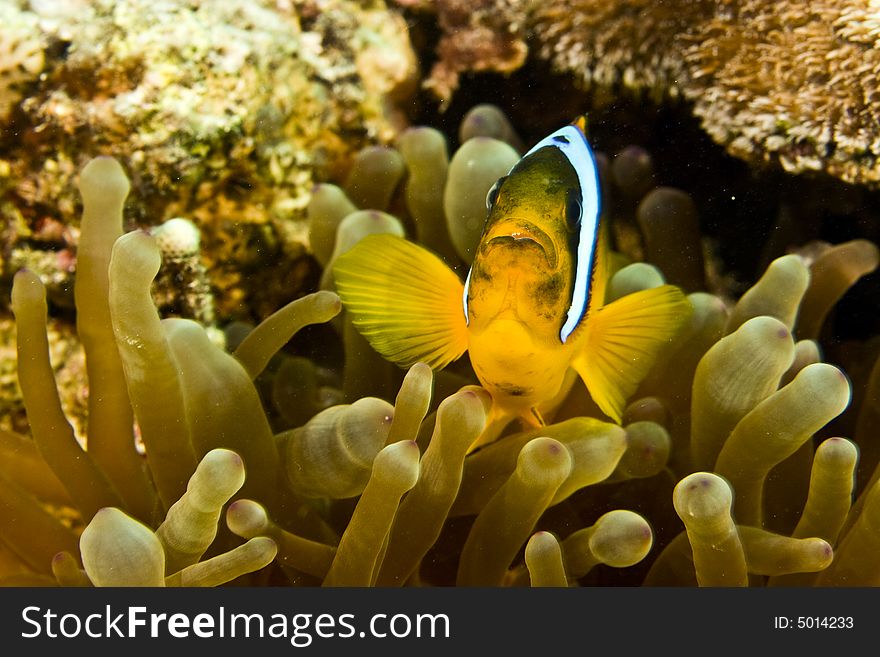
x=623 y=341
x=403 y=300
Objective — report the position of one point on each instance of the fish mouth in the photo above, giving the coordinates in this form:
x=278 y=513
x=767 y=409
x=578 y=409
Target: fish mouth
x=519 y=231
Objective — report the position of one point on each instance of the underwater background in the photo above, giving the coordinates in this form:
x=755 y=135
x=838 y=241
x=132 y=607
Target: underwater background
x=184 y=400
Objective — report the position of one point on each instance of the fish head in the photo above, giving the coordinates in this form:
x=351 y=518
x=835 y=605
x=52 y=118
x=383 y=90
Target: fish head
x=527 y=265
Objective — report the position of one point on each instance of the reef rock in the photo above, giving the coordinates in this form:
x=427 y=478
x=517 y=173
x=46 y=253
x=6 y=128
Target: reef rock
x=787 y=83
x=225 y=113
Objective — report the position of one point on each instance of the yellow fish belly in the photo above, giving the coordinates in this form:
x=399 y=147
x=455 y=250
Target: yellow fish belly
x=517 y=370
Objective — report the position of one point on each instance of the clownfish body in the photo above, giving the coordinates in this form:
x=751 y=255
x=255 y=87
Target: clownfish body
x=532 y=304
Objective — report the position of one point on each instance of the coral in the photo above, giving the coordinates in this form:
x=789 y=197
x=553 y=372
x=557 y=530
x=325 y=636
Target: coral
x=182 y=287
x=769 y=81
x=632 y=44
x=728 y=468
x=21 y=55
x=477 y=36
x=224 y=114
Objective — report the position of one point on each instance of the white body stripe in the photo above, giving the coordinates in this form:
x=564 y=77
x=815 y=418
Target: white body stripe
x=578 y=152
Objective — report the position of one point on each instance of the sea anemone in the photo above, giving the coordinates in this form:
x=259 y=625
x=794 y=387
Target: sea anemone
x=723 y=471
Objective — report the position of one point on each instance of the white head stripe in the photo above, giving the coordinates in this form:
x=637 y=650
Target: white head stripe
x=573 y=144
x=464 y=295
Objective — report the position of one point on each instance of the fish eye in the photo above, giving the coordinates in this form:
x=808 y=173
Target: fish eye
x=573 y=208
x=492 y=196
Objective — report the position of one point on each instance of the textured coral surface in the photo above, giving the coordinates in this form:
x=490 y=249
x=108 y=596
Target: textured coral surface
x=789 y=83
x=224 y=113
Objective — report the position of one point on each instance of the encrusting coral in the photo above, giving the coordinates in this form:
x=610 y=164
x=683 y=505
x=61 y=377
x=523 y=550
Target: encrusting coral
x=21 y=55
x=772 y=81
x=722 y=472
x=225 y=114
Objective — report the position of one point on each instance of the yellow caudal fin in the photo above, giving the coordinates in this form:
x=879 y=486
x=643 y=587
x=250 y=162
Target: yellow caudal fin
x=623 y=341
x=403 y=300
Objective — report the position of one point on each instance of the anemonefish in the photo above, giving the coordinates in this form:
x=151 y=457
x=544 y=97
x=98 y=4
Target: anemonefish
x=532 y=305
